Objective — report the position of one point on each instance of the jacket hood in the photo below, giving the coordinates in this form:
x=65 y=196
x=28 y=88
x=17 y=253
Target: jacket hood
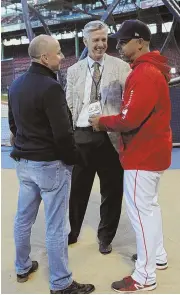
x=157 y=60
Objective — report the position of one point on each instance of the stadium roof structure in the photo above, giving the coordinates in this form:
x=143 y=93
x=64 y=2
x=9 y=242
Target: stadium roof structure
x=56 y=13
x=50 y=3
x=55 y=3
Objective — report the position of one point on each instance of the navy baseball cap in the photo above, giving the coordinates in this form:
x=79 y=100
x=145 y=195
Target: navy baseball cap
x=133 y=29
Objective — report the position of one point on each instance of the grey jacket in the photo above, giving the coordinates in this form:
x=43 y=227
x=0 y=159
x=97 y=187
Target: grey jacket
x=113 y=81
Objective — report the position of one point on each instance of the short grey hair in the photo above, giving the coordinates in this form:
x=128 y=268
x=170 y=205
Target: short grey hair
x=94 y=26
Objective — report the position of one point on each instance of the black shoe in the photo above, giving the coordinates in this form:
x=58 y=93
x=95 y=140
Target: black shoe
x=71 y=239
x=104 y=248
x=24 y=277
x=160 y=266
x=75 y=288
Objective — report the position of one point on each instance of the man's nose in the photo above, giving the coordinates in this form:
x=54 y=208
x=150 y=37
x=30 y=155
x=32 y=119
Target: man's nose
x=100 y=44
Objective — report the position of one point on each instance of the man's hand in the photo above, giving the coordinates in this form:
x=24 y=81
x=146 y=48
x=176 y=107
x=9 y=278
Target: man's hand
x=94 y=121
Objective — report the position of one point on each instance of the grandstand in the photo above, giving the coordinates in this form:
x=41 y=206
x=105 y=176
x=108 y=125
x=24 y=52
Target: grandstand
x=66 y=19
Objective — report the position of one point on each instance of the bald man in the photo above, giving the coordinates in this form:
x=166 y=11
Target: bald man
x=44 y=151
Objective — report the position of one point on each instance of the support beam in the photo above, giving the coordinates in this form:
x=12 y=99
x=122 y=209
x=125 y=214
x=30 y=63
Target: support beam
x=40 y=17
x=111 y=16
x=26 y=18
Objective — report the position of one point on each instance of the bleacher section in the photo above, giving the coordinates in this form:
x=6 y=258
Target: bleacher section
x=12 y=69
x=11 y=19
x=20 y=66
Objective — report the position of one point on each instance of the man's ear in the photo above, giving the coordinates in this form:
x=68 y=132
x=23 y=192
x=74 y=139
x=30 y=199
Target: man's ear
x=141 y=43
x=85 y=42
x=44 y=59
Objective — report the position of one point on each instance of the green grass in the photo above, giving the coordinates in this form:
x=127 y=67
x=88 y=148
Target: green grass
x=4 y=97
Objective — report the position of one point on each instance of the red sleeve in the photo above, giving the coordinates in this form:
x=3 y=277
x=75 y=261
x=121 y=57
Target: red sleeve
x=139 y=100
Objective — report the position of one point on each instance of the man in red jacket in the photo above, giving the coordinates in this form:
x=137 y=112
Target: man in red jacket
x=145 y=149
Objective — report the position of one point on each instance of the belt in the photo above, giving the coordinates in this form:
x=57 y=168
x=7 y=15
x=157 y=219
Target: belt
x=88 y=128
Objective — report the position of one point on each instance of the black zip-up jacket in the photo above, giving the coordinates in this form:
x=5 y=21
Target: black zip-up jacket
x=39 y=118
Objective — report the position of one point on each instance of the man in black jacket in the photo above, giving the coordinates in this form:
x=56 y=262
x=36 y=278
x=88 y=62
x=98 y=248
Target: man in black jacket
x=44 y=151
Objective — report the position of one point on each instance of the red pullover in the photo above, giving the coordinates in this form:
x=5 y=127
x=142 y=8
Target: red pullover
x=146 y=94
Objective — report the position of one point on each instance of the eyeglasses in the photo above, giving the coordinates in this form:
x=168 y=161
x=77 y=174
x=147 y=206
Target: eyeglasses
x=122 y=42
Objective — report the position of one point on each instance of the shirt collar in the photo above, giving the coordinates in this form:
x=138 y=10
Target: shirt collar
x=91 y=61
x=41 y=69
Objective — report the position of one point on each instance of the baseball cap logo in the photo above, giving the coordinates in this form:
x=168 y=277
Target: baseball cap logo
x=136 y=35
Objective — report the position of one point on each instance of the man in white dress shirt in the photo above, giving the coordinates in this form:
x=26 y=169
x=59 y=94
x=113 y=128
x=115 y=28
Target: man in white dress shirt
x=94 y=86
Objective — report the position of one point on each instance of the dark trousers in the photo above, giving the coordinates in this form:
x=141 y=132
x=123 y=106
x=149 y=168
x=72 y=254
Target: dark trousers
x=101 y=157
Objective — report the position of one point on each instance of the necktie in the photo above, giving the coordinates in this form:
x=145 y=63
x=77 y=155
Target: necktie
x=95 y=83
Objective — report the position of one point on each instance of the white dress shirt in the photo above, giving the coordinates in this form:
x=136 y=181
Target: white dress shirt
x=84 y=115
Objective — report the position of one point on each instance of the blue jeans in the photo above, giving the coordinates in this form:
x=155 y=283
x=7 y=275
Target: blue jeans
x=50 y=182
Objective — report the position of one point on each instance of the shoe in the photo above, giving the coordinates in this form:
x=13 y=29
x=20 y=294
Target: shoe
x=160 y=266
x=105 y=249
x=128 y=285
x=24 y=277
x=71 y=239
x=75 y=288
